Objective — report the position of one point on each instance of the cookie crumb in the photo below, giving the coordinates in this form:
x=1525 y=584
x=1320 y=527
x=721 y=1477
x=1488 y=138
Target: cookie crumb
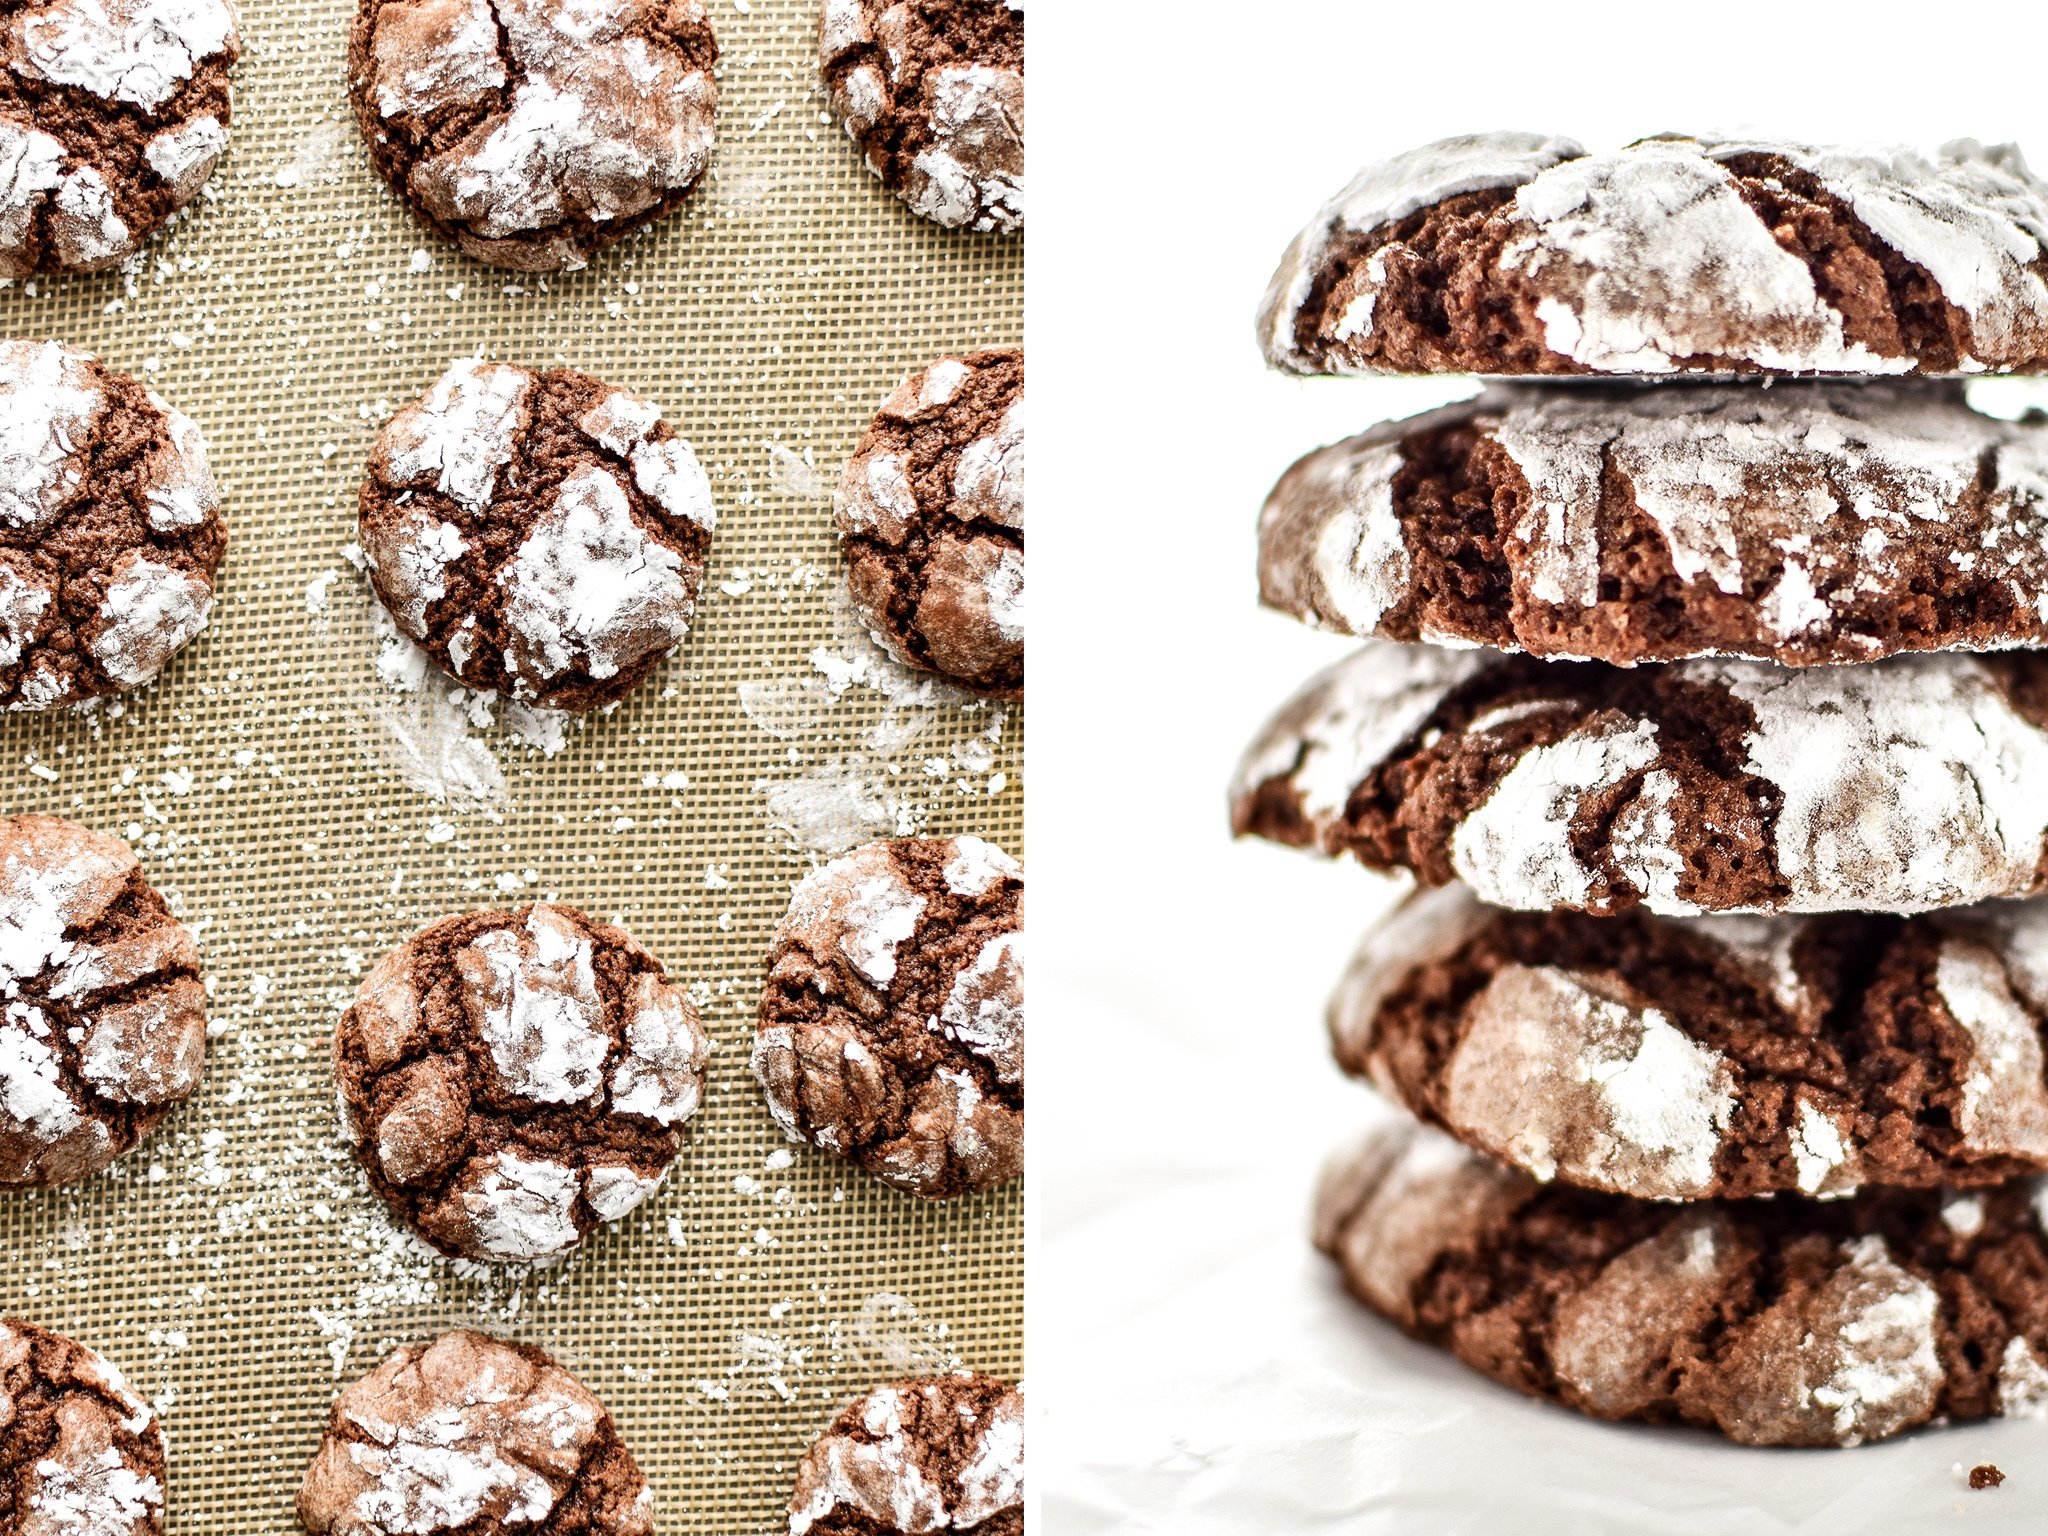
x=1986 y=1476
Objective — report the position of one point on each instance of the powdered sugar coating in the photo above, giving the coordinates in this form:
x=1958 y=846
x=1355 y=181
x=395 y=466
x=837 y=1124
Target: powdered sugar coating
x=1822 y=508
x=80 y=1453
x=590 y=586
x=82 y=192
x=943 y=1453
x=537 y=134
x=938 y=110
x=1387 y=192
x=930 y=511
x=511 y=1080
x=612 y=515
x=102 y=1014
x=1561 y=1079
x=1903 y=785
x=469 y=1432
x=892 y=1025
x=1653 y=259
x=459 y=436
x=151 y=611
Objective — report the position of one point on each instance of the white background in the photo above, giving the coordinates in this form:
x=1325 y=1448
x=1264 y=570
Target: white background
x=1196 y=1369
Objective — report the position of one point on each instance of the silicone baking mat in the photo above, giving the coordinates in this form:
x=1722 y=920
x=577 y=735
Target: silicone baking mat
x=306 y=798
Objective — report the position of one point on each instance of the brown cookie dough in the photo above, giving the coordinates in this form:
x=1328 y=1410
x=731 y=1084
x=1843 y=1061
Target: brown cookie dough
x=1777 y=1322
x=1683 y=1058
x=931 y=518
x=1697 y=786
x=1804 y=523
x=539 y=534
x=80 y=1453
x=534 y=133
x=110 y=528
x=509 y=1080
x=933 y=92
x=102 y=1011
x=892 y=1027
x=1513 y=253
x=473 y=1435
x=940 y=1453
x=112 y=114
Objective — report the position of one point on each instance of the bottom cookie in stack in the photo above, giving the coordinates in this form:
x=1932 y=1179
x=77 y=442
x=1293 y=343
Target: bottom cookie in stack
x=1778 y=1322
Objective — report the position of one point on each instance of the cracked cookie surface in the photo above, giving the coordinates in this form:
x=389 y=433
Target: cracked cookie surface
x=933 y=92
x=931 y=519
x=1777 y=1322
x=1694 y=786
x=510 y=1080
x=1516 y=253
x=475 y=1435
x=102 y=1009
x=936 y=1453
x=110 y=528
x=534 y=133
x=892 y=1025
x=112 y=115
x=80 y=1452
x=1803 y=524
x=538 y=534
x=1725 y=1057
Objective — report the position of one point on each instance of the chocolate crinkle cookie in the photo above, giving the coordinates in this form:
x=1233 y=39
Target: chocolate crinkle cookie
x=939 y=1453
x=473 y=1435
x=112 y=114
x=509 y=1080
x=931 y=519
x=1513 y=253
x=102 y=1010
x=538 y=534
x=892 y=1027
x=933 y=92
x=1682 y=1058
x=534 y=133
x=1802 y=524
x=1695 y=786
x=80 y=1453
x=1777 y=1322
x=110 y=528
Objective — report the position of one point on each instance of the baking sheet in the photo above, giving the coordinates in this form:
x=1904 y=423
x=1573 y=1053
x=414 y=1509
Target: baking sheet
x=304 y=808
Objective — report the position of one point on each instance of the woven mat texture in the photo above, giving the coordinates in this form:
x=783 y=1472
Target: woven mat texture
x=304 y=810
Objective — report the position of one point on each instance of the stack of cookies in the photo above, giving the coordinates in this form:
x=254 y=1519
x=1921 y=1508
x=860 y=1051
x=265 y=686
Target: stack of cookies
x=1706 y=700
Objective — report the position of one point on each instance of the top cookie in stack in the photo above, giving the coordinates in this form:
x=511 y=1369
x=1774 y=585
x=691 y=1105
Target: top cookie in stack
x=1718 y=586
x=1513 y=253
